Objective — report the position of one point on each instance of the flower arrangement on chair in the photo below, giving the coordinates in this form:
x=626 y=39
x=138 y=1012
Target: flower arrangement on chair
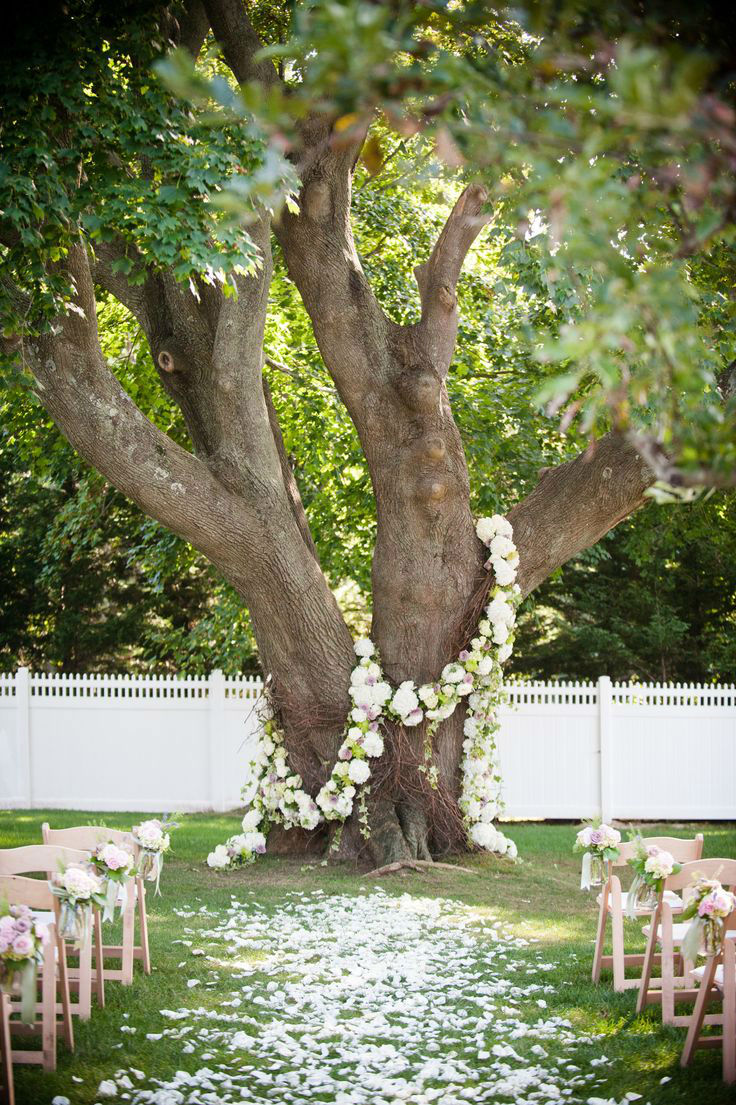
x=599 y=843
x=153 y=837
x=708 y=905
x=116 y=866
x=78 y=889
x=651 y=865
x=21 y=952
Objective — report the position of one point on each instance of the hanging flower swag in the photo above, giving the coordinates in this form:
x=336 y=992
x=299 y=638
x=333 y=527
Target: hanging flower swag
x=475 y=675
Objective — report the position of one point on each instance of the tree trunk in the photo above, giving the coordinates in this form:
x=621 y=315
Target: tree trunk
x=235 y=499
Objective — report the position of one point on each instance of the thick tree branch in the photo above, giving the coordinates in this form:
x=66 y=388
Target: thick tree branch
x=235 y=33
x=99 y=418
x=438 y=276
x=575 y=504
x=194 y=25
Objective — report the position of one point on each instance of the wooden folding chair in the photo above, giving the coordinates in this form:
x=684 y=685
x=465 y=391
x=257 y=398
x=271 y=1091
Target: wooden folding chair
x=717 y=979
x=36 y=858
x=613 y=902
x=672 y=986
x=37 y=895
x=88 y=837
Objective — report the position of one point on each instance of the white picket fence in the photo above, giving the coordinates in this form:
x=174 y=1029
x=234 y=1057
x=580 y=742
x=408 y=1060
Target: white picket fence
x=568 y=750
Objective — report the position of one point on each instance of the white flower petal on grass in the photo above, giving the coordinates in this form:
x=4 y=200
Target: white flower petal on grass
x=372 y=998
x=107 y=1088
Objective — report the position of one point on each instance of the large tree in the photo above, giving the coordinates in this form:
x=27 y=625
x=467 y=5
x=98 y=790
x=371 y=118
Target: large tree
x=120 y=170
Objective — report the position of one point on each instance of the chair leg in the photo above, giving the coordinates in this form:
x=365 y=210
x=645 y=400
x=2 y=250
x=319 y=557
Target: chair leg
x=668 y=976
x=128 y=938
x=48 y=1007
x=143 y=923
x=619 y=963
x=729 y=1011
x=66 y=1012
x=600 y=937
x=646 y=971
x=6 y=1053
x=99 y=961
x=85 y=978
x=698 y=1015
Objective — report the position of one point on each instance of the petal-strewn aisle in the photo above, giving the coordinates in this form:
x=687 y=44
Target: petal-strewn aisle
x=363 y=1001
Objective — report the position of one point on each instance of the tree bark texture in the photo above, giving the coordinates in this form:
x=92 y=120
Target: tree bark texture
x=234 y=496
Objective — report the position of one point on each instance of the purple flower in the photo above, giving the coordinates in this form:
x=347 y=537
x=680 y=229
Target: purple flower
x=23 y=924
x=464 y=655
x=260 y=849
x=23 y=944
x=344 y=754
x=374 y=727
x=597 y=836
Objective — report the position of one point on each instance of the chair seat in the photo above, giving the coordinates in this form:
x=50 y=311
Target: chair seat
x=44 y=916
x=674 y=901
x=678 y=931
x=717 y=978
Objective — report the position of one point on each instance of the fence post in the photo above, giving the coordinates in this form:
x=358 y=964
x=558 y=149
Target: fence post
x=216 y=703
x=23 y=733
x=604 y=745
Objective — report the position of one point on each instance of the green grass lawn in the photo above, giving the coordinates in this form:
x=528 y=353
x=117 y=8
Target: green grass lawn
x=538 y=897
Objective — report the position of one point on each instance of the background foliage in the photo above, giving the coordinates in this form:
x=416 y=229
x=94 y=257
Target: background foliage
x=602 y=289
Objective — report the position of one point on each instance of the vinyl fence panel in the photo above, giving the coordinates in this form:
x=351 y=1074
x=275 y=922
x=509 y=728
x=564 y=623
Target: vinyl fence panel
x=567 y=749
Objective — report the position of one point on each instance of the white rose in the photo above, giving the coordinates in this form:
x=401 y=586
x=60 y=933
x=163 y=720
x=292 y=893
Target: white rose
x=428 y=695
x=253 y=842
x=358 y=715
x=381 y=693
x=359 y=771
x=470 y=727
x=500 y=611
x=500 y=633
x=485 y=529
x=372 y=744
x=364 y=647
x=453 y=673
x=485 y=836
x=511 y=850
x=485 y=665
x=218 y=858
x=354 y=733
x=358 y=676
x=251 y=820
x=267 y=746
x=502 y=526
x=503 y=572
x=363 y=695
x=405 y=699
x=504 y=652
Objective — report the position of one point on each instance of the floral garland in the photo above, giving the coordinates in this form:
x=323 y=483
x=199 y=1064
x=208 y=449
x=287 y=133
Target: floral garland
x=475 y=675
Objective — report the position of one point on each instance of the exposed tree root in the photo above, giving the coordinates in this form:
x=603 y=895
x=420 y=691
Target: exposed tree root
x=417 y=865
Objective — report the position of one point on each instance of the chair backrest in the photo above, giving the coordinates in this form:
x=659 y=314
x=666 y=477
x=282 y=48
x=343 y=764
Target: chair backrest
x=722 y=869
x=683 y=850
x=44 y=858
x=17 y=890
x=88 y=837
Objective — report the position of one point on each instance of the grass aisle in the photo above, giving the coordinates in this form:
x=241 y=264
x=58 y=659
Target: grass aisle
x=294 y=982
